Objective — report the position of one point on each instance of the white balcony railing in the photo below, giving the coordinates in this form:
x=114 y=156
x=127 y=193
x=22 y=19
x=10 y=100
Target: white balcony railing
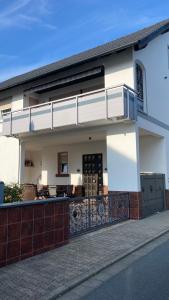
x=116 y=103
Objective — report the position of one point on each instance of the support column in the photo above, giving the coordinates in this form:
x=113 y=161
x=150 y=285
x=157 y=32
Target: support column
x=123 y=164
x=21 y=171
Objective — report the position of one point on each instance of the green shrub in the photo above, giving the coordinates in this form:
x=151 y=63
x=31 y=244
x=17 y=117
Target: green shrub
x=12 y=193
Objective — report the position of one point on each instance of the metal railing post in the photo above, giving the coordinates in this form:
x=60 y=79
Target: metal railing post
x=89 y=212
x=51 y=115
x=135 y=106
x=30 y=127
x=11 y=123
x=128 y=104
x=106 y=104
x=77 y=119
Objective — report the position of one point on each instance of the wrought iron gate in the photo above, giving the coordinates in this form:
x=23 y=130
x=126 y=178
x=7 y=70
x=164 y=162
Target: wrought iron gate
x=90 y=213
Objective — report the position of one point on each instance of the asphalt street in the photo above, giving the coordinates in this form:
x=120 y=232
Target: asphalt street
x=143 y=275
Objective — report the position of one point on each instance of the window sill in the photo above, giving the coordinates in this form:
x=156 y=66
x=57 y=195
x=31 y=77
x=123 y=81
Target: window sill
x=62 y=175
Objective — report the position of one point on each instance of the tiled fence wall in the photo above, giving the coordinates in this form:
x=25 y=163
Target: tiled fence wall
x=27 y=230
x=134 y=204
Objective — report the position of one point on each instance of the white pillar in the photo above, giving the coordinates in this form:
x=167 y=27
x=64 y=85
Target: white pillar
x=123 y=158
x=21 y=171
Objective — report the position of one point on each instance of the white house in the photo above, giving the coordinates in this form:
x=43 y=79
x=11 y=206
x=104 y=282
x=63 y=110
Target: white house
x=101 y=113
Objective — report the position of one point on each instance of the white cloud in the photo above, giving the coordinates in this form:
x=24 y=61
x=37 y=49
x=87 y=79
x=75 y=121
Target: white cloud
x=25 y=13
x=14 y=8
x=7 y=57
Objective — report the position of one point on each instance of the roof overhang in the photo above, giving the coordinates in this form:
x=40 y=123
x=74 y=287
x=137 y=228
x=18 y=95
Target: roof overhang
x=89 y=74
x=144 y=42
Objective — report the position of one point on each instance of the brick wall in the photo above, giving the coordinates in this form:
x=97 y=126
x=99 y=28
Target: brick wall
x=30 y=229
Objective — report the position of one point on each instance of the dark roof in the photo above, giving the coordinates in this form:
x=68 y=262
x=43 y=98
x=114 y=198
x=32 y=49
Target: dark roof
x=139 y=39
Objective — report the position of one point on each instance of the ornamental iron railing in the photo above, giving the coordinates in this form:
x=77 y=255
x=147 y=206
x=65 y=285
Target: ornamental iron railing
x=91 y=213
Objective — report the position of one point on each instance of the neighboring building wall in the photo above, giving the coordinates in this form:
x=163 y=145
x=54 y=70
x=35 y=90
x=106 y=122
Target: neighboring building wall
x=75 y=152
x=155 y=58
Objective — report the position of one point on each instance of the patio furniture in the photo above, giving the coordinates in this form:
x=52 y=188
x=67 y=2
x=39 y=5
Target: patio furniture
x=29 y=192
x=42 y=192
x=64 y=190
x=52 y=190
x=79 y=191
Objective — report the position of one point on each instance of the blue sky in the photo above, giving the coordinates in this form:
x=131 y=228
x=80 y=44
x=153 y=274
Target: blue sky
x=36 y=32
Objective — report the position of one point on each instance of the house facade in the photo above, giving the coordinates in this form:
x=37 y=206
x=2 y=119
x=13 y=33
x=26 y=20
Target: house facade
x=94 y=121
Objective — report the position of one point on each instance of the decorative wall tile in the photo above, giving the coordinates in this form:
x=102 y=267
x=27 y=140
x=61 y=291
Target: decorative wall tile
x=33 y=229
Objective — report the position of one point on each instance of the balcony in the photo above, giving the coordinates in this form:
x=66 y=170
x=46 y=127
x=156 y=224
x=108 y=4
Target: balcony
x=94 y=108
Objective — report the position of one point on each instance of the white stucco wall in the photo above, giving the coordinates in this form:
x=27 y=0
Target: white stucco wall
x=15 y=95
x=33 y=174
x=155 y=158
x=152 y=154
x=123 y=158
x=75 y=152
x=155 y=58
x=9 y=160
x=119 y=69
x=17 y=101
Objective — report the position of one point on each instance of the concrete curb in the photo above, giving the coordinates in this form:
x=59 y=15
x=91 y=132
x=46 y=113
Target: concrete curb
x=63 y=290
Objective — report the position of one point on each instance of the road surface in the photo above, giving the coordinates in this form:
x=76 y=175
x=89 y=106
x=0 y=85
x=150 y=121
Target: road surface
x=142 y=275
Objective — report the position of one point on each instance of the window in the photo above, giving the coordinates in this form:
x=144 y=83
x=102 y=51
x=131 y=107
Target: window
x=5 y=106
x=139 y=81
x=5 y=111
x=63 y=163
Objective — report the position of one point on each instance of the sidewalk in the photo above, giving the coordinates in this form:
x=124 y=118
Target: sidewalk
x=47 y=275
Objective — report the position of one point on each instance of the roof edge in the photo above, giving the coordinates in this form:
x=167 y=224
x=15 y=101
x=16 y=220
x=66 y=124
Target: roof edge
x=143 y=43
